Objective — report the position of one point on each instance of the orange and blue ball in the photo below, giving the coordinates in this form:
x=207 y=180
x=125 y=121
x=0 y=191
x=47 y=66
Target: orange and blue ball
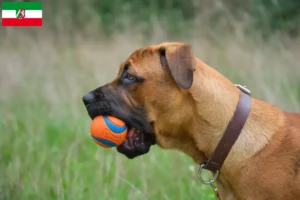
x=108 y=131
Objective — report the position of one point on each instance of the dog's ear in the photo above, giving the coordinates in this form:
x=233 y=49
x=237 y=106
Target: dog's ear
x=181 y=61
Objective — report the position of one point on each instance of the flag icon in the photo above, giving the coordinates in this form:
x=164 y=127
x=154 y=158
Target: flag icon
x=22 y=14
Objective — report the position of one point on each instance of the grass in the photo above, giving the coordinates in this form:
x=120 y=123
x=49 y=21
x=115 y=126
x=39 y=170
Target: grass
x=46 y=150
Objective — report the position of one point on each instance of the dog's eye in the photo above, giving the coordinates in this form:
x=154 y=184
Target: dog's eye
x=130 y=77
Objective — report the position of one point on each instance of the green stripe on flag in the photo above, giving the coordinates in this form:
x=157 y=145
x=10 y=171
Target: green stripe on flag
x=24 y=5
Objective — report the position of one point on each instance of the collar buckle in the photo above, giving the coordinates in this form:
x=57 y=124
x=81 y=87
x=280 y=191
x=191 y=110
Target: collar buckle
x=210 y=181
x=243 y=88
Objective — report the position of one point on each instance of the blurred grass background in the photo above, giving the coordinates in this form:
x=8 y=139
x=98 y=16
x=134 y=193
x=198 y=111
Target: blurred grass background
x=45 y=148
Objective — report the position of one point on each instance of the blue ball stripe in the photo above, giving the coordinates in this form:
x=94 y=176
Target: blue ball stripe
x=113 y=127
x=106 y=142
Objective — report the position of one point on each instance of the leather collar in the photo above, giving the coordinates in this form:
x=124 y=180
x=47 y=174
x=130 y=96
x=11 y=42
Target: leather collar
x=232 y=132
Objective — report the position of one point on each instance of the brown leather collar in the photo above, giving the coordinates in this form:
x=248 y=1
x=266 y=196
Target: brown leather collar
x=232 y=132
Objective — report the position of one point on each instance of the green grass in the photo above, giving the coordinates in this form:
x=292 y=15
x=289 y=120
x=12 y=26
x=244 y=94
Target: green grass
x=46 y=151
x=45 y=156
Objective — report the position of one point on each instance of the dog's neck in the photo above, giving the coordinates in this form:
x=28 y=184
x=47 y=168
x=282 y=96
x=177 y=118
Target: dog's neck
x=210 y=122
x=213 y=89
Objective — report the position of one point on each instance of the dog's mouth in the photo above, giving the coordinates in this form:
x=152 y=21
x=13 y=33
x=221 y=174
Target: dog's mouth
x=133 y=138
x=137 y=141
x=107 y=101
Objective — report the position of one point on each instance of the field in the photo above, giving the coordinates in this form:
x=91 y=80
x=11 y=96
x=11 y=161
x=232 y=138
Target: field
x=46 y=150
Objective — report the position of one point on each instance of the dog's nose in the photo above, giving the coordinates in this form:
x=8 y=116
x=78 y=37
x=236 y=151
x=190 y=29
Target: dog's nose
x=88 y=98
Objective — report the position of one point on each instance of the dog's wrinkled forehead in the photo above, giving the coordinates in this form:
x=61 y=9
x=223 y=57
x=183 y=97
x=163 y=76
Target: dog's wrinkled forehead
x=139 y=59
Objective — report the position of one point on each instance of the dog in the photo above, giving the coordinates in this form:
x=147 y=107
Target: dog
x=169 y=97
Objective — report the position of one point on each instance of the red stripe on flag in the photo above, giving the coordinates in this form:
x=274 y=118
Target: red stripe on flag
x=22 y=22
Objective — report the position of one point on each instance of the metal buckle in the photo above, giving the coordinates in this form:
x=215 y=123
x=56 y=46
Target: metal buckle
x=210 y=181
x=243 y=88
x=206 y=182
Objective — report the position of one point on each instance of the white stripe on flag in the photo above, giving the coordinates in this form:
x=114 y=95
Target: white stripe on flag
x=28 y=14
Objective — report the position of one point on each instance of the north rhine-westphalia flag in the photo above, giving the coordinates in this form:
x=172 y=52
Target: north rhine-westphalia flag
x=22 y=14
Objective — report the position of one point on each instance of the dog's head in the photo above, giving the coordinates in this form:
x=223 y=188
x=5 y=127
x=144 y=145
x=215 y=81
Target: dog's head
x=147 y=94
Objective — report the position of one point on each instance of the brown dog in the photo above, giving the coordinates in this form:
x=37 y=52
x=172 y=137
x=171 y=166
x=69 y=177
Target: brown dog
x=169 y=97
